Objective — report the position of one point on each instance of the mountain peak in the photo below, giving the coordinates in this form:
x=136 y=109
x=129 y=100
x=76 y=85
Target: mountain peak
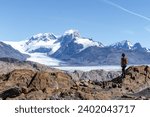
x=43 y=35
x=137 y=45
x=125 y=44
x=72 y=32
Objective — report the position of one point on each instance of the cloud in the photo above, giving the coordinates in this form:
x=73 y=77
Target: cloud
x=126 y=10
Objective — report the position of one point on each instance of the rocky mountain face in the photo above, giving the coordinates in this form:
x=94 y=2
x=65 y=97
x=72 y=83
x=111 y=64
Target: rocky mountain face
x=8 y=51
x=127 y=45
x=54 y=84
x=71 y=44
x=109 y=56
x=105 y=55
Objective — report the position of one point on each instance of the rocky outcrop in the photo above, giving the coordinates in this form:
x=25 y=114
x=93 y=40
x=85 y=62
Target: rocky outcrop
x=52 y=85
x=32 y=84
x=8 y=64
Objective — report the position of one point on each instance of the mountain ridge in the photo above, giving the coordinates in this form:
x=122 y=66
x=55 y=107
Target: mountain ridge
x=8 y=51
x=74 y=49
x=127 y=45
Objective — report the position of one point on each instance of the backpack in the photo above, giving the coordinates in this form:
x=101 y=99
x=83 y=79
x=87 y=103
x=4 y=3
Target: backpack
x=124 y=61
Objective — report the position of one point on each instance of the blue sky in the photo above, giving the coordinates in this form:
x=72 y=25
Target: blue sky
x=107 y=21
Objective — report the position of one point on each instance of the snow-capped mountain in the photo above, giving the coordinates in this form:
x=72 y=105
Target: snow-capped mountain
x=73 y=49
x=42 y=43
x=127 y=45
x=72 y=43
x=47 y=45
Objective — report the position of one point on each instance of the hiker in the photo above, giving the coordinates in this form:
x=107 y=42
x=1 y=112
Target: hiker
x=146 y=69
x=124 y=63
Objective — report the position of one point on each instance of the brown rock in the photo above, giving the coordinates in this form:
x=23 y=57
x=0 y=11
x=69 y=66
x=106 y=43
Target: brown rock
x=10 y=93
x=36 y=95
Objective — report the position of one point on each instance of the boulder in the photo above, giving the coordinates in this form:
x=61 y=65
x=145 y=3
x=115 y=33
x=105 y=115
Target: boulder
x=10 y=93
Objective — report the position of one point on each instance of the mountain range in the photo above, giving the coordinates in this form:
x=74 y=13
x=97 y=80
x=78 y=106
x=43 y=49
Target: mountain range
x=73 y=49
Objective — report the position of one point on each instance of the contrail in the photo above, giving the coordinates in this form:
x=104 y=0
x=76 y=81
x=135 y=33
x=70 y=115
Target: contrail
x=126 y=10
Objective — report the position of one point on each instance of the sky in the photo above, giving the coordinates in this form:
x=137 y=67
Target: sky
x=106 y=21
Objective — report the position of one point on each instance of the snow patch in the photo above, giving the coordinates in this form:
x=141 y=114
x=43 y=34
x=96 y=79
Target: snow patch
x=45 y=44
x=44 y=59
x=71 y=31
x=147 y=49
x=17 y=45
x=74 y=33
x=47 y=35
x=86 y=43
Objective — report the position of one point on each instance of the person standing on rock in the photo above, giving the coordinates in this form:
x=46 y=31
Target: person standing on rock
x=124 y=62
